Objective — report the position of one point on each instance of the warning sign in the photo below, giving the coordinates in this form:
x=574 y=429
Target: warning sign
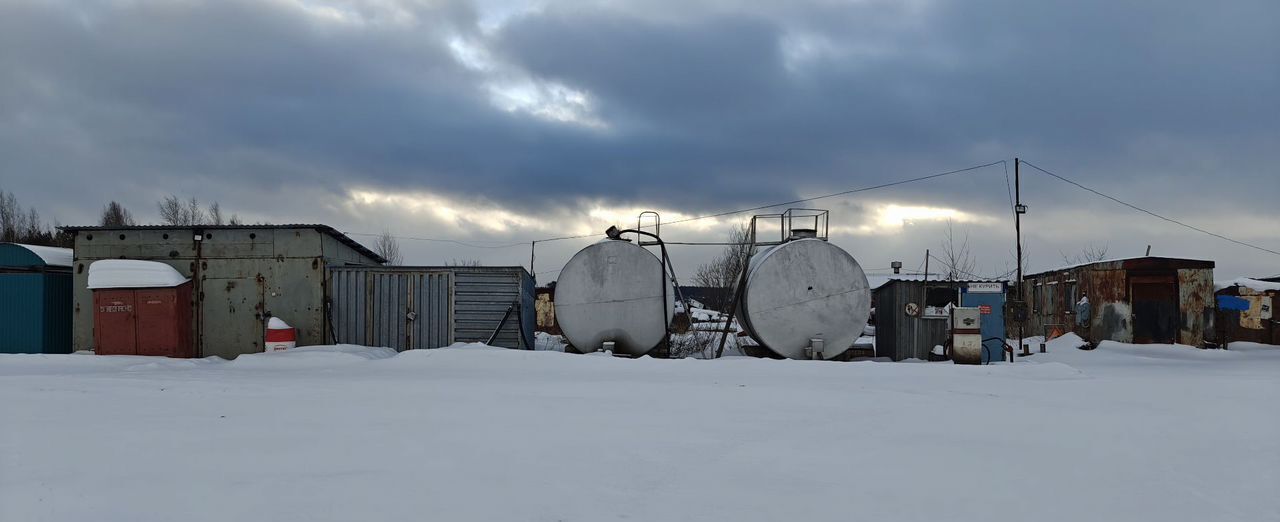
x=984 y=309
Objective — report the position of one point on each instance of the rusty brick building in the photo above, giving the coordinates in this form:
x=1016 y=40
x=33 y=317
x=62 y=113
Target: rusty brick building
x=1136 y=300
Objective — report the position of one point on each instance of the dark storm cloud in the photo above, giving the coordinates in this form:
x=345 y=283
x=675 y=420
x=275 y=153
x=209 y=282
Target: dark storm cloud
x=1068 y=83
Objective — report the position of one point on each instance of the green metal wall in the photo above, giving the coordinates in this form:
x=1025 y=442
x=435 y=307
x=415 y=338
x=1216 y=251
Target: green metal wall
x=35 y=303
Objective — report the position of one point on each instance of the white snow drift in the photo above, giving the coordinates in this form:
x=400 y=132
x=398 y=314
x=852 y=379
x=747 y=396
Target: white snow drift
x=476 y=433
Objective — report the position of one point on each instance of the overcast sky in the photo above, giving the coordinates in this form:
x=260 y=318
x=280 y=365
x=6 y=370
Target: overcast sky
x=496 y=122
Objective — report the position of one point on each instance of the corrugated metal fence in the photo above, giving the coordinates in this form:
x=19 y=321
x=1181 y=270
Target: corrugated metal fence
x=429 y=307
x=399 y=309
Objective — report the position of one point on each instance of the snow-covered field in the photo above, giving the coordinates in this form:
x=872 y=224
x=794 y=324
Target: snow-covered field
x=474 y=433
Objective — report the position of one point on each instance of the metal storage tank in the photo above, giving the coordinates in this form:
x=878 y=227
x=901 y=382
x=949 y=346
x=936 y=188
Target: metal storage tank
x=35 y=299
x=804 y=295
x=612 y=291
x=414 y=307
x=140 y=308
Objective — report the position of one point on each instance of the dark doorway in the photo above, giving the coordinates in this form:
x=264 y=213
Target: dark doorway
x=1155 y=308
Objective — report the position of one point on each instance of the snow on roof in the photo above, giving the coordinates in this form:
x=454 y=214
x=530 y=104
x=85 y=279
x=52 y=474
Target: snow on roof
x=878 y=280
x=1113 y=260
x=1260 y=286
x=52 y=256
x=132 y=273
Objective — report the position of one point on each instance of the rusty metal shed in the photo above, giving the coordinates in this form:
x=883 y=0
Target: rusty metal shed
x=414 y=307
x=242 y=275
x=1133 y=300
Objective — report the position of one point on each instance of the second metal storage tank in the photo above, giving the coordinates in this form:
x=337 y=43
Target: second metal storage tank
x=612 y=291
x=805 y=296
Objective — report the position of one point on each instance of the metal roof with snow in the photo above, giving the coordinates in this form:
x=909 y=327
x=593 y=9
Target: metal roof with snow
x=325 y=229
x=22 y=255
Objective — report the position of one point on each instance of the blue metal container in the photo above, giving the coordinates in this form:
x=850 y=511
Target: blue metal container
x=35 y=299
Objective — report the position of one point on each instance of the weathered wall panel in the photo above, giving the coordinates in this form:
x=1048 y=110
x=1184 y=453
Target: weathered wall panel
x=1245 y=314
x=1195 y=301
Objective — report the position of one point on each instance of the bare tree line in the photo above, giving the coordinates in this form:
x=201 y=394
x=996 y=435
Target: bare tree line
x=721 y=274
x=19 y=225
x=175 y=211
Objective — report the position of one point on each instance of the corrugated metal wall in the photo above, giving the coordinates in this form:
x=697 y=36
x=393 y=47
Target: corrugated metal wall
x=35 y=304
x=482 y=296
x=395 y=307
x=57 y=312
x=465 y=304
x=21 y=312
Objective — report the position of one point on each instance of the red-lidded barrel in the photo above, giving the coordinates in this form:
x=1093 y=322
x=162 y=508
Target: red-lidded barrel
x=280 y=336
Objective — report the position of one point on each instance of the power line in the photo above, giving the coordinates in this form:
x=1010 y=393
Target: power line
x=1148 y=212
x=440 y=240
x=803 y=200
x=835 y=194
x=968 y=273
x=1009 y=188
x=706 y=216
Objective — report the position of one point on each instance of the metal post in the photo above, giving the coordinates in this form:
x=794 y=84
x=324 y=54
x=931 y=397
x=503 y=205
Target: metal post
x=532 y=246
x=1017 y=224
x=924 y=297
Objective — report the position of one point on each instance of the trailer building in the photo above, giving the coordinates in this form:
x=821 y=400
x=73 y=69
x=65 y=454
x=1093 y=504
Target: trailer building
x=1135 y=300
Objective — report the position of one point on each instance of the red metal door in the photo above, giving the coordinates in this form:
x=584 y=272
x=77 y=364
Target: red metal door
x=113 y=322
x=1155 y=309
x=157 y=322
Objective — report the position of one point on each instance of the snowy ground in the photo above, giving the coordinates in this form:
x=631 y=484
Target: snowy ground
x=348 y=433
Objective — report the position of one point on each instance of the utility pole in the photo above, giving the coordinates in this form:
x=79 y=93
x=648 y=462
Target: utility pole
x=924 y=297
x=1018 y=210
x=533 y=245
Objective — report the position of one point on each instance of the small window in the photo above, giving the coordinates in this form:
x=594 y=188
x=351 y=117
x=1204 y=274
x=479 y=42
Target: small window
x=88 y=237
x=166 y=236
x=122 y=237
x=938 y=301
